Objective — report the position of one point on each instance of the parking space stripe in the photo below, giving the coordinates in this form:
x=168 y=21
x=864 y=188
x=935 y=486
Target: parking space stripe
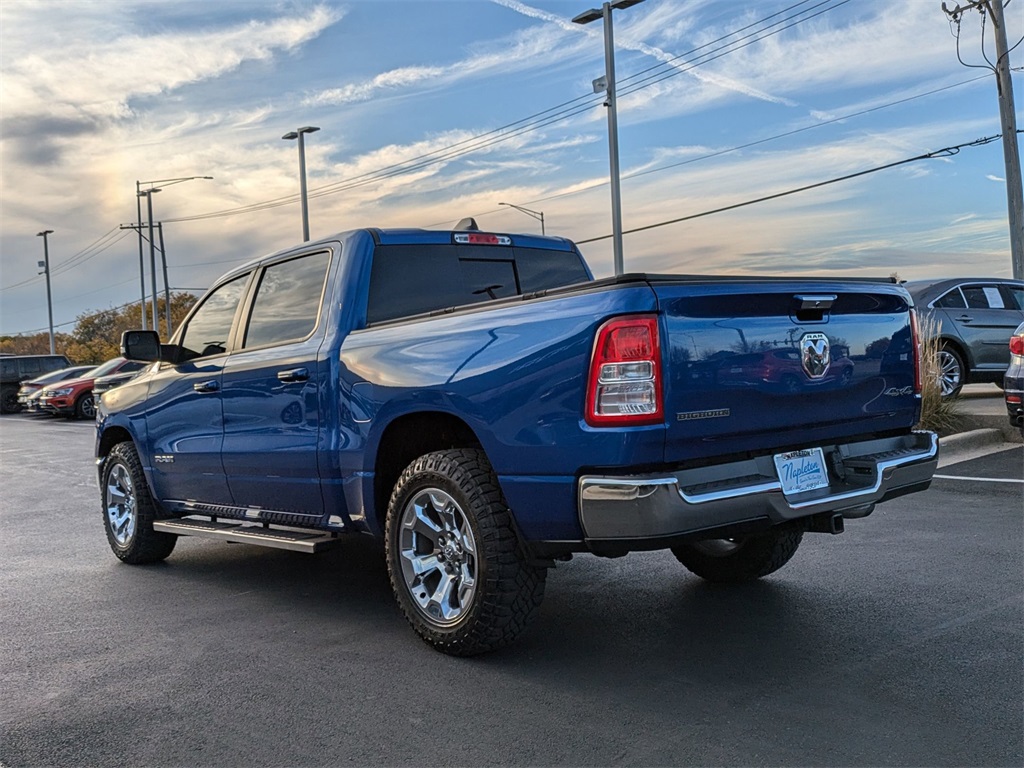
x=979 y=479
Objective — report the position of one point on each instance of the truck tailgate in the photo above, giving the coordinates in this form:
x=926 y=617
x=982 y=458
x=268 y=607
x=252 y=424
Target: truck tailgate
x=765 y=365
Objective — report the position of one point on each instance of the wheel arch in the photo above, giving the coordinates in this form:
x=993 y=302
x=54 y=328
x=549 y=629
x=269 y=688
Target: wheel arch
x=407 y=438
x=111 y=437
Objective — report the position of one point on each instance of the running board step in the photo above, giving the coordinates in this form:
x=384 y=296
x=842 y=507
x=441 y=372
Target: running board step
x=278 y=538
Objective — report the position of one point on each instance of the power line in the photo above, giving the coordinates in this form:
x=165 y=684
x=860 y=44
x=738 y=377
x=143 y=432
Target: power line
x=509 y=131
x=945 y=152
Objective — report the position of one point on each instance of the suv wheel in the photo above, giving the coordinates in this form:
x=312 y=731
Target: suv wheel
x=85 y=407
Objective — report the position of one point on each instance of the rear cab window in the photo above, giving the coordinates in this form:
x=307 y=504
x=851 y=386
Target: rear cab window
x=413 y=279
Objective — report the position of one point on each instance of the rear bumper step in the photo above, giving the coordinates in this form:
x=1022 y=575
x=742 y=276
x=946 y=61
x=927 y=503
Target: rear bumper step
x=261 y=536
x=651 y=506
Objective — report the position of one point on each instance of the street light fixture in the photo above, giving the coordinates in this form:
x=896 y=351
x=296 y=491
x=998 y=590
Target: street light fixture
x=290 y=136
x=536 y=214
x=607 y=84
x=45 y=266
x=147 y=193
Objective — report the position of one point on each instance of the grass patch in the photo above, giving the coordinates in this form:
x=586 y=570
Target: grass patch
x=938 y=414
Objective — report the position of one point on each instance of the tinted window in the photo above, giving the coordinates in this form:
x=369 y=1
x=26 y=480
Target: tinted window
x=208 y=329
x=9 y=369
x=287 y=301
x=952 y=300
x=413 y=279
x=983 y=297
x=31 y=366
x=1014 y=296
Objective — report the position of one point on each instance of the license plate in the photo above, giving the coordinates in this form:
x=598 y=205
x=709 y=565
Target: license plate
x=801 y=471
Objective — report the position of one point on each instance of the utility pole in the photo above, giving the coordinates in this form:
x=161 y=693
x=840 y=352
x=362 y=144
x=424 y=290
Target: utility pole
x=1007 y=119
x=45 y=266
x=167 y=285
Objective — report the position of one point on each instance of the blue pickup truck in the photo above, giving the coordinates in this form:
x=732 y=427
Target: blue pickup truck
x=486 y=408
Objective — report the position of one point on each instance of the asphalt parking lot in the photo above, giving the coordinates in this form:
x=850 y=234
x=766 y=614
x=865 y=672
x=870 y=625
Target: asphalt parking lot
x=898 y=642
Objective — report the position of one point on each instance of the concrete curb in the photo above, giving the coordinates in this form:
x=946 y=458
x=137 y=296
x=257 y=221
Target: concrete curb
x=971 y=440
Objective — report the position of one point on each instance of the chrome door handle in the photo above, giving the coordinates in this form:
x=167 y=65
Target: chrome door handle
x=295 y=374
x=206 y=386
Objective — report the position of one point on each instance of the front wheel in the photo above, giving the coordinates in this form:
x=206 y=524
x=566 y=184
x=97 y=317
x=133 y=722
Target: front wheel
x=129 y=510
x=746 y=558
x=457 y=567
x=85 y=407
x=9 y=400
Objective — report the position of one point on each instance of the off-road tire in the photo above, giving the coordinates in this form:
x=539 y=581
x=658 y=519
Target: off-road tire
x=129 y=510
x=507 y=589
x=733 y=561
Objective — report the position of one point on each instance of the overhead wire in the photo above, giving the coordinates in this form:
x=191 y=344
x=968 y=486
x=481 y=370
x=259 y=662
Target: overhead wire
x=504 y=133
x=944 y=152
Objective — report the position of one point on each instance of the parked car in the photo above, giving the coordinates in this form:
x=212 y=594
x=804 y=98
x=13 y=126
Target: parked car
x=106 y=383
x=782 y=370
x=30 y=391
x=1013 y=382
x=15 y=369
x=973 y=319
x=74 y=397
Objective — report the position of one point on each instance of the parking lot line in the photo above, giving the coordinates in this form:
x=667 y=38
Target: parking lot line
x=980 y=479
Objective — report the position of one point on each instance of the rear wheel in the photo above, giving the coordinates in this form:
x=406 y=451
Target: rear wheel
x=458 y=569
x=951 y=372
x=741 y=559
x=129 y=510
x=9 y=400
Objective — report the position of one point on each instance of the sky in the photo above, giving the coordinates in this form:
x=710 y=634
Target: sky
x=434 y=110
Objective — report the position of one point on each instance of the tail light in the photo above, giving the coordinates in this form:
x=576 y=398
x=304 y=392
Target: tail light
x=916 y=337
x=1017 y=345
x=625 y=374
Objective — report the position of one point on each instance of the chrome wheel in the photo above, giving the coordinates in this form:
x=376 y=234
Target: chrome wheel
x=120 y=503
x=950 y=373
x=438 y=556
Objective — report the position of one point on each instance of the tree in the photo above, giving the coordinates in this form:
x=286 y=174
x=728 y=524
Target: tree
x=97 y=335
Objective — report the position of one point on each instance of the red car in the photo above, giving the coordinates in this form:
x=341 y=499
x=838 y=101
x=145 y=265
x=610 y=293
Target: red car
x=73 y=398
x=781 y=369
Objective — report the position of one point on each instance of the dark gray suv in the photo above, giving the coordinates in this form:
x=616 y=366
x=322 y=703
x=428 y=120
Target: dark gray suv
x=974 y=318
x=15 y=369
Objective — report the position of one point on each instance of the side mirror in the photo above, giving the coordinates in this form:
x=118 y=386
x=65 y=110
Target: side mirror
x=141 y=345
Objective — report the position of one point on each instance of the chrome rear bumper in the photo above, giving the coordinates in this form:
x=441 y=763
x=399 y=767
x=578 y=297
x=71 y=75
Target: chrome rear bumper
x=672 y=504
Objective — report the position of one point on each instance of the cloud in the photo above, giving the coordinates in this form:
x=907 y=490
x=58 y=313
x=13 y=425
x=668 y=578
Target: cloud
x=93 y=81
x=991 y=177
x=626 y=38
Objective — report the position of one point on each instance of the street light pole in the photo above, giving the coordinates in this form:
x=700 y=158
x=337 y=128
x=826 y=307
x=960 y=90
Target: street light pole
x=142 y=260
x=148 y=193
x=291 y=135
x=536 y=214
x=608 y=86
x=45 y=264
